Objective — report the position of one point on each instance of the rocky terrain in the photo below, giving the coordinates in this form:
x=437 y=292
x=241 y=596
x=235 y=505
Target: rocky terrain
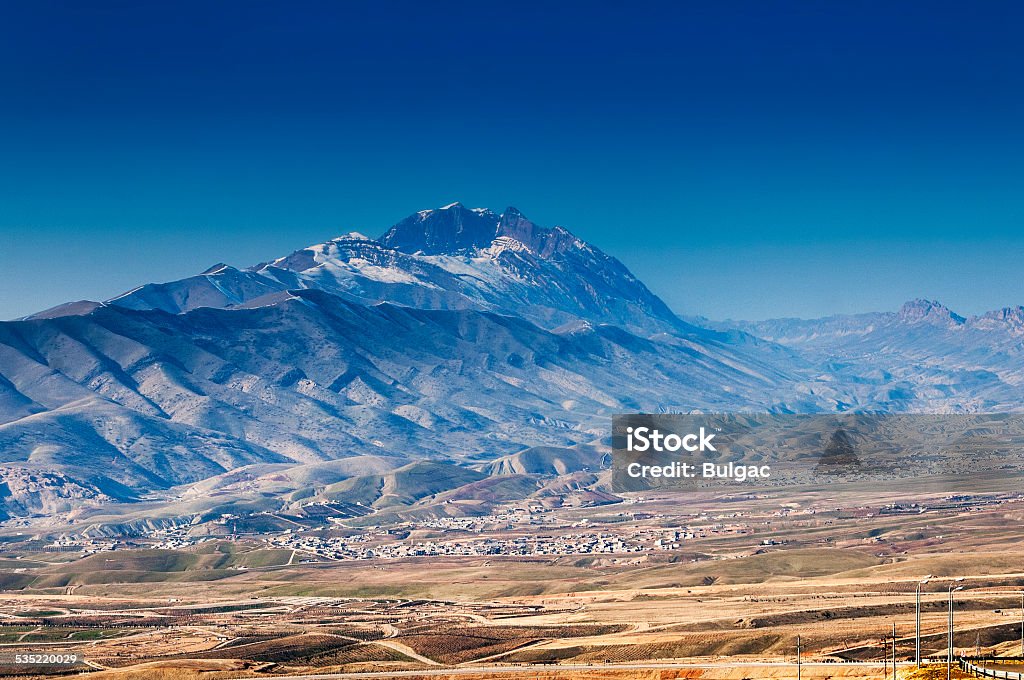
x=461 y=336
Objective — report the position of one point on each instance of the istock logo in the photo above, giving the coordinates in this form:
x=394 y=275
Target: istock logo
x=640 y=439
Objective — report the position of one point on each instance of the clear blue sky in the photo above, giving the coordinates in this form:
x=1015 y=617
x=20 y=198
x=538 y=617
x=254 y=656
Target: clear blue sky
x=746 y=159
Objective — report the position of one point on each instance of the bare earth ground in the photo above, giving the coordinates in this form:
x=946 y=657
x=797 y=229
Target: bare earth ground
x=837 y=570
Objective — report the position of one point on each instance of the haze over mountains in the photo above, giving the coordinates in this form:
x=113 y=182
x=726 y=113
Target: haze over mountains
x=923 y=357
x=477 y=340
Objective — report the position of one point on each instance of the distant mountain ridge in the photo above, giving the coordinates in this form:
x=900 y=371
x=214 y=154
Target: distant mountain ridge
x=463 y=337
x=914 y=312
x=923 y=357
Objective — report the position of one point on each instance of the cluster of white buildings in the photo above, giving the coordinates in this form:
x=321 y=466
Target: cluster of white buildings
x=378 y=546
x=86 y=546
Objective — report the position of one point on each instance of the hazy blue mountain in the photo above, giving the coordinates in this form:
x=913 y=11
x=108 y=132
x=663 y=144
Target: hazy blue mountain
x=923 y=357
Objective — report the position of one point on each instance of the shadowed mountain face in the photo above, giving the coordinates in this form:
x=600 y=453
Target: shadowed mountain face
x=461 y=336
x=455 y=229
x=450 y=230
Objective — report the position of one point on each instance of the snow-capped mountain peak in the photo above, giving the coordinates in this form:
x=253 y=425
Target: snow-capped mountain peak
x=444 y=258
x=930 y=311
x=459 y=258
x=443 y=231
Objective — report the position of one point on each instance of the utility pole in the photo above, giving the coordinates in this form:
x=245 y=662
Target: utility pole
x=949 y=646
x=885 y=661
x=894 y=650
x=797 y=657
x=949 y=636
x=917 y=646
x=1022 y=625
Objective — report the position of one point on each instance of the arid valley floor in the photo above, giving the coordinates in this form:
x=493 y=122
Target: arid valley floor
x=713 y=579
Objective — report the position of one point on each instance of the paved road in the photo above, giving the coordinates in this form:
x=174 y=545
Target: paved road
x=494 y=670
x=1012 y=667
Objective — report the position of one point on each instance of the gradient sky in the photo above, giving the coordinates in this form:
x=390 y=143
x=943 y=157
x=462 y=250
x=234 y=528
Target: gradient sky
x=745 y=159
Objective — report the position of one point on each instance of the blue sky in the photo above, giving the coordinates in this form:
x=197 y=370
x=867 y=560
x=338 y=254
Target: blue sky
x=745 y=159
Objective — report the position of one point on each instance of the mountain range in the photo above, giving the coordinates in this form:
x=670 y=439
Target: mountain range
x=478 y=343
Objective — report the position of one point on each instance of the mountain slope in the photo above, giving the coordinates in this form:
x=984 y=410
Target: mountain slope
x=147 y=400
